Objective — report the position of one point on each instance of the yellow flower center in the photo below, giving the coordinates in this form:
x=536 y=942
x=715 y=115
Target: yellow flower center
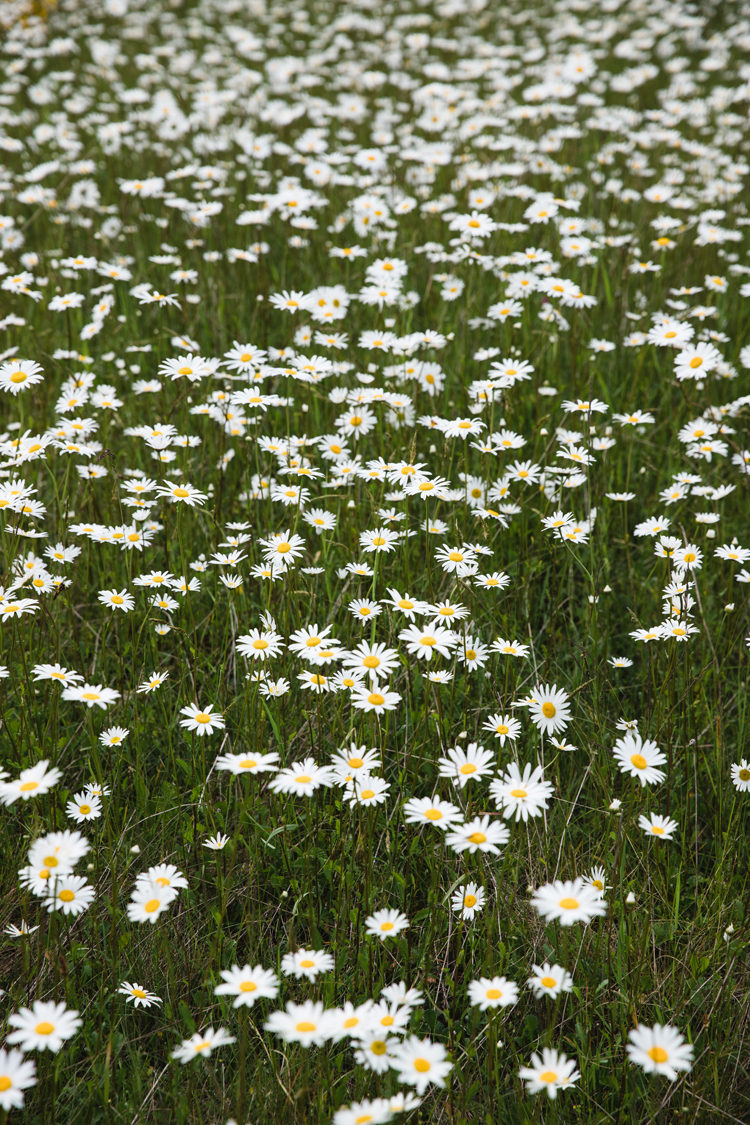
x=639 y=761
x=569 y=903
x=478 y=838
x=117 y=600
x=656 y=830
x=303 y=779
x=501 y=728
x=355 y=420
x=520 y=793
x=316 y=679
x=152 y=905
x=548 y=1076
x=471 y=654
x=18 y=377
x=283 y=548
x=248 y=986
x=90 y=695
x=549 y=710
x=84 y=810
x=376 y=699
x=307 y=964
x=744 y=775
x=180 y=493
x=422 y=1065
x=371 y=662
x=378 y=1047
x=66 y=896
x=28 y=786
x=44 y=1028
x=139 y=993
x=696 y=361
x=549 y=982
x=367 y=795
x=468 y=767
x=493 y=994
x=305 y=1025
x=433 y=814
x=202 y=718
x=658 y=1054
x=378 y=541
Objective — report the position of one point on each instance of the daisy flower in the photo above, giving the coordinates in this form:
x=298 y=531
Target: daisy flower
x=33 y=782
x=386 y=923
x=202 y=1043
x=499 y=992
x=201 y=721
x=16 y=1075
x=374 y=698
x=72 y=894
x=468 y=900
x=247 y=763
x=420 y=1063
x=306 y=1024
x=480 y=835
x=659 y=1050
x=149 y=900
x=569 y=902
x=462 y=766
x=741 y=776
x=431 y=810
x=502 y=726
x=639 y=758
x=549 y=980
x=307 y=963
x=302 y=778
x=43 y=1027
x=248 y=985
x=548 y=708
x=550 y=1072
x=660 y=826
x=84 y=806
x=137 y=995
x=524 y=794
x=366 y=790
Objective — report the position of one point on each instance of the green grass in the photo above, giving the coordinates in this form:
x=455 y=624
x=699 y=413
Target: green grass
x=299 y=872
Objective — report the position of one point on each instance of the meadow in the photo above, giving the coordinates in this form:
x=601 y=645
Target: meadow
x=374 y=632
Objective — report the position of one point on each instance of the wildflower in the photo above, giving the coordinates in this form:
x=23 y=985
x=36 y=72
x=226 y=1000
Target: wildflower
x=139 y=996
x=639 y=758
x=741 y=776
x=201 y=721
x=550 y=1072
x=498 y=992
x=302 y=778
x=468 y=900
x=92 y=695
x=202 y=1043
x=503 y=726
x=478 y=835
x=660 y=826
x=251 y=763
x=568 y=902
x=216 y=843
x=548 y=708
x=426 y=810
x=43 y=1027
x=420 y=1063
x=33 y=782
x=305 y=1024
x=659 y=1050
x=84 y=806
x=463 y=766
x=148 y=900
x=524 y=794
x=374 y=698
x=386 y=923
x=16 y=1075
x=549 y=980
x=248 y=985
